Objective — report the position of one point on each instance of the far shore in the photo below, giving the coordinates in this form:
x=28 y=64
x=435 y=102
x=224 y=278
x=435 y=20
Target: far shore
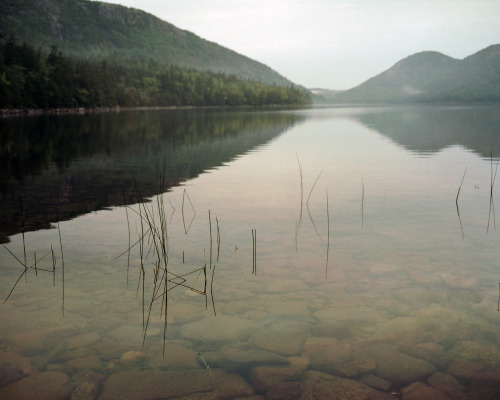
x=19 y=112
x=16 y=112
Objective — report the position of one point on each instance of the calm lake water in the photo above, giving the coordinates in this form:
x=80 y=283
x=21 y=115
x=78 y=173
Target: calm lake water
x=316 y=253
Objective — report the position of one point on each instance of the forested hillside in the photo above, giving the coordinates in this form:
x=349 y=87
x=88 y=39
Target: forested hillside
x=31 y=78
x=433 y=77
x=93 y=31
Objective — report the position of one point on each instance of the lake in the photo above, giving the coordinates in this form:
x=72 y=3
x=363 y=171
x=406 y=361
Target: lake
x=328 y=252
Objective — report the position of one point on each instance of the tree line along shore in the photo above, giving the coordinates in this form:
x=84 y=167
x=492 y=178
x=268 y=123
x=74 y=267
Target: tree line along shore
x=31 y=80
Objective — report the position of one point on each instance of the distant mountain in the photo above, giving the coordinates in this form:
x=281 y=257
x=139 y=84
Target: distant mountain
x=319 y=95
x=433 y=77
x=95 y=30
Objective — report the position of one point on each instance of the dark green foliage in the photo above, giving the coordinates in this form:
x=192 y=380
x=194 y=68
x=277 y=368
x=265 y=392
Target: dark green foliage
x=31 y=79
x=93 y=30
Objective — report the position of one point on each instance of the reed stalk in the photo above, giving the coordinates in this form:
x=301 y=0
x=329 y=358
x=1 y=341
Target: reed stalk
x=128 y=230
x=36 y=263
x=456 y=202
x=14 y=286
x=22 y=229
x=53 y=267
x=218 y=238
x=307 y=206
x=212 y=290
x=362 y=203
x=498 y=305
x=209 y=371
x=254 y=251
x=210 y=228
x=184 y=195
x=301 y=191
x=328 y=235
x=296 y=235
x=173 y=208
x=460 y=187
x=165 y=315
x=62 y=262
x=205 y=276
x=493 y=177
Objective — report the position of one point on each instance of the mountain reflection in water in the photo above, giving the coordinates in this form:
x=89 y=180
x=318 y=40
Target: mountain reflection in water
x=429 y=129
x=65 y=166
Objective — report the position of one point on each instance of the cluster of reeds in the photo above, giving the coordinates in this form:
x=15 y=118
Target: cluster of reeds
x=39 y=263
x=491 y=214
x=298 y=223
x=153 y=248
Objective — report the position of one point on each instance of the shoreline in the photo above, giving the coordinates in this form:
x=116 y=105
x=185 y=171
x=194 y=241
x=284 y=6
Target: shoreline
x=21 y=112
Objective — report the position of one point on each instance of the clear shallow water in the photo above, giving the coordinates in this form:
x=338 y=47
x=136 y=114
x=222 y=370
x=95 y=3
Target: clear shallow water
x=409 y=292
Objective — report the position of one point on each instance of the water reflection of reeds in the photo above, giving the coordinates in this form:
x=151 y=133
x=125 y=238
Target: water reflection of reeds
x=36 y=261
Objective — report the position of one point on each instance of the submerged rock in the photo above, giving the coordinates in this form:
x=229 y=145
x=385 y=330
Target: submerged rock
x=84 y=363
x=355 y=368
x=128 y=334
x=375 y=382
x=222 y=328
x=87 y=376
x=400 y=330
x=85 y=391
x=486 y=380
x=132 y=385
x=43 y=386
x=431 y=352
x=326 y=354
x=14 y=359
x=176 y=356
x=234 y=358
x=110 y=349
x=319 y=385
x=464 y=370
x=286 y=338
x=394 y=366
x=265 y=377
x=31 y=342
x=484 y=353
x=8 y=375
x=132 y=357
x=284 y=391
x=420 y=391
x=447 y=384
x=84 y=340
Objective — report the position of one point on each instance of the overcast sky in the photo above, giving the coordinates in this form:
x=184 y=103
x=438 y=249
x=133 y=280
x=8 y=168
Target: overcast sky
x=334 y=44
